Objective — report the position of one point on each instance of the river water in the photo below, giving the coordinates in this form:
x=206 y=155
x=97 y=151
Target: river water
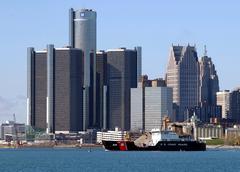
x=60 y=159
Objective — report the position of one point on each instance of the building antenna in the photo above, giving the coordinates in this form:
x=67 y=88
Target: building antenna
x=205 y=50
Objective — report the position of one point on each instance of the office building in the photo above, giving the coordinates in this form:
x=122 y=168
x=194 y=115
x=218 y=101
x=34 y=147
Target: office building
x=149 y=105
x=55 y=89
x=206 y=113
x=121 y=76
x=223 y=100
x=183 y=76
x=235 y=105
x=138 y=49
x=82 y=34
x=158 y=104
x=101 y=89
x=137 y=109
x=36 y=88
x=209 y=84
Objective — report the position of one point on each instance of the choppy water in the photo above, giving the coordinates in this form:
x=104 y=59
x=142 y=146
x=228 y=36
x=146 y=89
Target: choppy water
x=53 y=160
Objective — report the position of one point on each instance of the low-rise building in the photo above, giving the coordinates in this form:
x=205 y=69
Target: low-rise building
x=209 y=132
x=232 y=132
x=11 y=130
x=198 y=130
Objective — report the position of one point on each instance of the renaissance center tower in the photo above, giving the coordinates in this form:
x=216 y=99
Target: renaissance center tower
x=82 y=35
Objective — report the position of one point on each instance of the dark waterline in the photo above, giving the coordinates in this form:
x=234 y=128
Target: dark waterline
x=54 y=160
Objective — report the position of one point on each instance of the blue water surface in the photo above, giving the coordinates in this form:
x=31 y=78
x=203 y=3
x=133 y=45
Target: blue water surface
x=54 y=160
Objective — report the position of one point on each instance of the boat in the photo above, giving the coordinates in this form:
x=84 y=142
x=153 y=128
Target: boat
x=156 y=140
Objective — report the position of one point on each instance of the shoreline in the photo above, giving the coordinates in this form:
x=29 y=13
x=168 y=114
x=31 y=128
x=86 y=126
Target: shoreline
x=222 y=147
x=50 y=146
x=209 y=147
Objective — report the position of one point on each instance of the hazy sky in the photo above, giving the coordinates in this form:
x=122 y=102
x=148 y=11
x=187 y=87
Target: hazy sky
x=154 y=24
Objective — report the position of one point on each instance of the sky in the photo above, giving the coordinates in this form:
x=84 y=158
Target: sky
x=154 y=24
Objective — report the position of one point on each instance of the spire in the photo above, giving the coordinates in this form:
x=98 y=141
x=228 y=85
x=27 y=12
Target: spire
x=205 y=50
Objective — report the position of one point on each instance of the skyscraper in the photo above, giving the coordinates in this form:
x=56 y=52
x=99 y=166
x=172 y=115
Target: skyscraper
x=101 y=89
x=121 y=76
x=55 y=84
x=209 y=84
x=36 y=88
x=82 y=34
x=139 y=62
x=235 y=105
x=183 y=76
x=208 y=88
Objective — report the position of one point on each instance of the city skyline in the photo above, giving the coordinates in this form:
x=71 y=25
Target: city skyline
x=155 y=42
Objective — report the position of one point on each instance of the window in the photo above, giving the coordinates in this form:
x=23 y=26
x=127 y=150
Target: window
x=82 y=14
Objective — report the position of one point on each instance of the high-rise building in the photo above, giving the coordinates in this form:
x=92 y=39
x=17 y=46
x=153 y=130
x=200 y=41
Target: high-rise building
x=207 y=113
x=183 y=76
x=139 y=62
x=209 y=84
x=36 y=88
x=235 y=105
x=121 y=76
x=223 y=99
x=82 y=34
x=137 y=109
x=158 y=104
x=101 y=89
x=149 y=105
x=55 y=86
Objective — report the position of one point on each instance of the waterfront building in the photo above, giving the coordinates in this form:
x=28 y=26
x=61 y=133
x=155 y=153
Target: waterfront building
x=232 y=133
x=149 y=105
x=183 y=76
x=207 y=132
x=223 y=99
x=235 y=105
x=121 y=76
x=11 y=131
x=82 y=35
x=55 y=89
